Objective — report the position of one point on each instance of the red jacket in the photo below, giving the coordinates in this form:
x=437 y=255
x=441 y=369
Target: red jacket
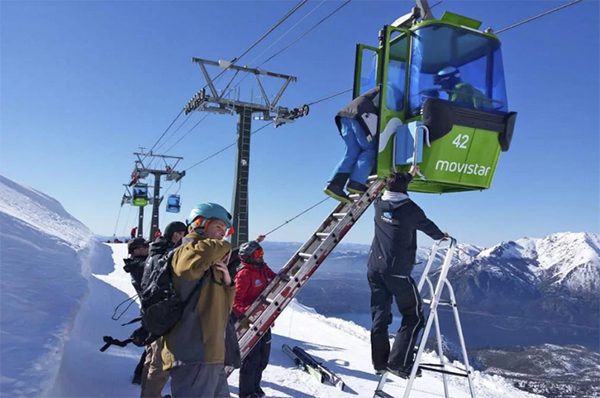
x=250 y=281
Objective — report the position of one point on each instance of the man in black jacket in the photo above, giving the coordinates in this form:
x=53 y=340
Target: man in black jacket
x=391 y=260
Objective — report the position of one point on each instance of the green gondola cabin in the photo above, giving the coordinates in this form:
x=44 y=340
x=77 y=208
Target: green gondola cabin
x=442 y=102
x=140 y=194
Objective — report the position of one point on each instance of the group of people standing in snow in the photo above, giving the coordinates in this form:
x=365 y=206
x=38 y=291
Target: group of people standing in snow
x=197 y=350
x=203 y=342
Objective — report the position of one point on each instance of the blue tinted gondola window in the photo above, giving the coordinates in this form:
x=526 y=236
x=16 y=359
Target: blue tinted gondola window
x=396 y=77
x=457 y=65
x=368 y=71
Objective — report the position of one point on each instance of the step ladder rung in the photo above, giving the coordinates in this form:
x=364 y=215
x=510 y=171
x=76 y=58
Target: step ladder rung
x=339 y=215
x=441 y=302
x=305 y=255
x=354 y=196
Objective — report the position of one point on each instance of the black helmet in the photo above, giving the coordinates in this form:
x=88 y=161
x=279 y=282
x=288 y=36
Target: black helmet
x=251 y=252
x=175 y=226
x=448 y=75
x=136 y=244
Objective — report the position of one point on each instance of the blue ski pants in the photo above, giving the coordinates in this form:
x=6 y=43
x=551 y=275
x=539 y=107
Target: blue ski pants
x=360 y=153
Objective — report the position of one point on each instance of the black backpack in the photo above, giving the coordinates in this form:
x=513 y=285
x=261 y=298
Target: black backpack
x=162 y=307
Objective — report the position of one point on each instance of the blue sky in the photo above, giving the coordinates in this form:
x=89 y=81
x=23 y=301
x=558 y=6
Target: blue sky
x=83 y=84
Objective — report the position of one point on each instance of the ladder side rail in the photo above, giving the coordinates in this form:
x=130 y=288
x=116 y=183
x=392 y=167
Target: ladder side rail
x=443 y=273
x=461 y=337
x=436 y=294
x=296 y=260
x=294 y=264
x=440 y=352
x=413 y=372
x=267 y=316
x=430 y=261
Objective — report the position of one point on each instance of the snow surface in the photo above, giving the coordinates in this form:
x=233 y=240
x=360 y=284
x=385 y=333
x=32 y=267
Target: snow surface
x=43 y=252
x=58 y=292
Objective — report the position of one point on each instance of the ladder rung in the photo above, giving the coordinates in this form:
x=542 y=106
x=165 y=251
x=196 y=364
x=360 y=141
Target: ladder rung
x=439 y=369
x=323 y=235
x=354 y=196
x=339 y=215
x=305 y=255
x=441 y=302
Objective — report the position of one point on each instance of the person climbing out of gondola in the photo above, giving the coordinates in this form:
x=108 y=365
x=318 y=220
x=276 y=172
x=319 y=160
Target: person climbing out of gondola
x=252 y=278
x=357 y=124
x=460 y=92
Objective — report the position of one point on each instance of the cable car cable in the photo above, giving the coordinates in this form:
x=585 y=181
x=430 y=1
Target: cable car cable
x=537 y=16
x=286 y=32
x=307 y=32
x=297 y=215
x=283 y=19
x=260 y=128
x=225 y=148
x=301 y=35
x=186 y=134
x=174 y=132
x=117 y=223
x=164 y=132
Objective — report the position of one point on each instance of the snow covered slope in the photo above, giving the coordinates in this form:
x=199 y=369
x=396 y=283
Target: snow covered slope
x=58 y=291
x=42 y=253
x=343 y=346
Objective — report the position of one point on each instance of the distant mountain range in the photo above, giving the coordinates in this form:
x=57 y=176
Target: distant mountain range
x=527 y=292
x=553 y=279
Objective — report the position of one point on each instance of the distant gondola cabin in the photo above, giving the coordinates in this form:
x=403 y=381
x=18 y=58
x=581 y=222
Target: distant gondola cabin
x=173 y=204
x=140 y=194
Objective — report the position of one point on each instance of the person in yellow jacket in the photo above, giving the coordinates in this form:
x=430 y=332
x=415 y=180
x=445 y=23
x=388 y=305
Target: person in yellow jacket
x=194 y=350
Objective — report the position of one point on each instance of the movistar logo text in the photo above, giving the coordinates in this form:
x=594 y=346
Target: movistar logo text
x=464 y=168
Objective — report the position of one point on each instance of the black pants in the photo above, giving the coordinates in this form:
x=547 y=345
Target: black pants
x=253 y=366
x=403 y=288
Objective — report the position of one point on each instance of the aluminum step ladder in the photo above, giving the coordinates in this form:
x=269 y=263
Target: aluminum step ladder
x=434 y=299
x=303 y=264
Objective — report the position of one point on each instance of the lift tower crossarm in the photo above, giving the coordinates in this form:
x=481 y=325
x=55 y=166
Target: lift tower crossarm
x=226 y=105
x=269 y=109
x=142 y=171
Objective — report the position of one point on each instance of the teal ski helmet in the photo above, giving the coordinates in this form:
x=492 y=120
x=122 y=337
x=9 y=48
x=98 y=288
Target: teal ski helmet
x=210 y=211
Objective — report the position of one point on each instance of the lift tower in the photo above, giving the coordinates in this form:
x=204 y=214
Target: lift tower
x=220 y=102
x=141 y=171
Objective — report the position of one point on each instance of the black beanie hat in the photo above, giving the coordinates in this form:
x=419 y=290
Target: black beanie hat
x=398 y=182
x=136 y=243
x=175 y=226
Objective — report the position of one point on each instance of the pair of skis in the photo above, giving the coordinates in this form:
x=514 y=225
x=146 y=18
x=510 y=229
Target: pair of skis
x=306 y=362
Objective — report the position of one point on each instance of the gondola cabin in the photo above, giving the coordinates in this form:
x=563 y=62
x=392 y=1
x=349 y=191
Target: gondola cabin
x=140 y=194
x=173 y=204
x=442 y=102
